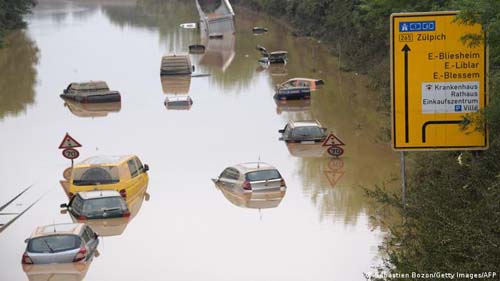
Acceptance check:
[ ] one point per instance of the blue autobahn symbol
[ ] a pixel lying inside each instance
(414, 26)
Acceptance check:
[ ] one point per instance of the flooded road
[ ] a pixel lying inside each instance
(188, 229)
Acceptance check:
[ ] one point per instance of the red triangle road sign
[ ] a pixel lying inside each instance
(332, 140)
(333, 177)
(69, 142)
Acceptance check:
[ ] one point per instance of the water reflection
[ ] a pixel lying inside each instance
(306, 150)
(17, 61)
(61, 10)
(276, 70)
(75, 271)
(219, 53)
(292, 105)
(165, 16)
(175, 84)
(265, 199)
(92, 109)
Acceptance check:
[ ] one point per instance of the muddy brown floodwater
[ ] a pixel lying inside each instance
(189, 229)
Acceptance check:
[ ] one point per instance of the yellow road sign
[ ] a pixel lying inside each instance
(436, 80)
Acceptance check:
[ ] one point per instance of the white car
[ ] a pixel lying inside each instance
(251, 177)
(61, 243)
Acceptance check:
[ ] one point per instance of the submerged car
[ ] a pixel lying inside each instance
(125, 174)
(306, 132)
(251, 177)
(178, 102)
(292, 93)
(196, 49)
(176, 64)
(114, 222)
(272, 57)
(98, 204)
(312, 84)
(61, 243)
(259, 30)
(90, 92)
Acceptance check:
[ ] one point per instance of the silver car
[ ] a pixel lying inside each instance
(251, 177)
(61, 243)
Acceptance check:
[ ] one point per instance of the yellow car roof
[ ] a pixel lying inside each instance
(104, 160)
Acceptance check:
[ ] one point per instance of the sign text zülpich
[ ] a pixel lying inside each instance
(436, 81)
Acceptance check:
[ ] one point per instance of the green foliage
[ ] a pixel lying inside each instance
(11, 15)
(20, 55)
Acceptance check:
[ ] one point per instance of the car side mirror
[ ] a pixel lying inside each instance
(324, 130)
(64, 205)
(26, 240)
(146, 168)
(96, 235)
(281, 131)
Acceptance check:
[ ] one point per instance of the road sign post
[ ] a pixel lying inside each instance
(68, 144)
(436, 81)
(334, 145)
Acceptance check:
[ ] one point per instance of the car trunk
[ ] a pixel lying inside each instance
(58, 257)
(270, 184)
(53, 249)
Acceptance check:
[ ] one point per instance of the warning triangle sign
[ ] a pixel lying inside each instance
(333, 177)
(332, 140)
(69, 142)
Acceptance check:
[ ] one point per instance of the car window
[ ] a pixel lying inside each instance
(76, 204)
(230, 173)
(132, 166)
(309, 131)
(262, 175)
(112, 206)
(85, 235)
(95, 175)
(287, 130)
(53, 243)
(89, 233)
(140, 167)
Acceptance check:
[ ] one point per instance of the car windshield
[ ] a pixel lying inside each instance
(309, 131)
(262, 175)
(104, 207)
(95, 175)
(54, 243)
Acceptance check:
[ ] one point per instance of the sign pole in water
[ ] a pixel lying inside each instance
(334, 145)
(67, 144)
(437, 82)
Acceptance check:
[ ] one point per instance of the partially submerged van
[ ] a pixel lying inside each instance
(125, 174)
(90, 92)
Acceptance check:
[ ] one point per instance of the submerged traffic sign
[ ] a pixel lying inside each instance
(70, 153)
(332, 140)
(69, 142)
(436, 80)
